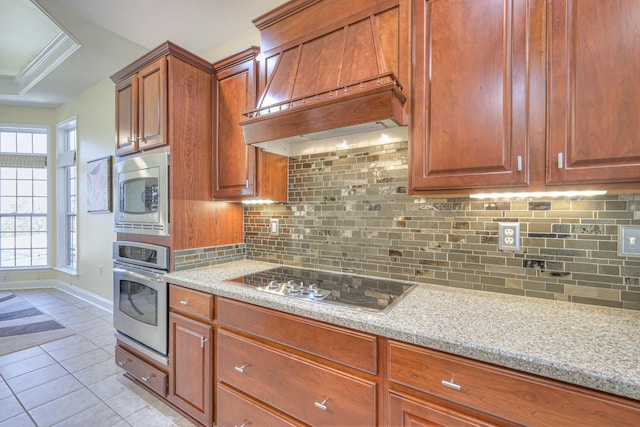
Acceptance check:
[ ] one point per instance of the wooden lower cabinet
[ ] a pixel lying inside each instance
(308, 391)
(138, 368)
(191, 351)
(277, 369)
(517, 398)
(288, 369)
(240, 410)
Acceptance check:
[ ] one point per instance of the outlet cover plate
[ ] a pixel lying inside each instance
(509, 235)
(274, 226)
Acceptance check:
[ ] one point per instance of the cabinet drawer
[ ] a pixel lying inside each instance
(196, 303)
(153, 378)
(305, 390)
(407, 411)
(350, 348)
(505, 393)
(237, 410)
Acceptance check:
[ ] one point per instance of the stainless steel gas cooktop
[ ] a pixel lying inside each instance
(361, 292)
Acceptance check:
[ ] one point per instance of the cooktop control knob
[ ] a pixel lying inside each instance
(273, 284)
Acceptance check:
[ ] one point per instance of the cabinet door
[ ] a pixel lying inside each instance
(408, 412)
(593, 91)
(152, 105)
(235, 167)
(470, 94)
(191, 364)
(127, 116)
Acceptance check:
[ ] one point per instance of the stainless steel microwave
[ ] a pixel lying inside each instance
(141, 195)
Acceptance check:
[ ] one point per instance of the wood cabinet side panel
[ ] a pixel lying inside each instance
(195, 220)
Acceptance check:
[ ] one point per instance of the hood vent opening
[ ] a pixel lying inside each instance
(326, 82)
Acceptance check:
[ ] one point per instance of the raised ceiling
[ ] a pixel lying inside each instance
(53, 50)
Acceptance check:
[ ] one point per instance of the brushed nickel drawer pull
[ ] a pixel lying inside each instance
(123, 362)
(241, 368)
(202, 341)
(451, 384)
(184, 302)
(147, 378)
(244, 424)
(322, 405)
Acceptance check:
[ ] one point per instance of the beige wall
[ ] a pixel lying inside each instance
(234, 45)
(94, 111)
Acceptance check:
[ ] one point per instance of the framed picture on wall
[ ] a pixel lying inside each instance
(99, 185)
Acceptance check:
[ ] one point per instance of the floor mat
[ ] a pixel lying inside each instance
(23, 326)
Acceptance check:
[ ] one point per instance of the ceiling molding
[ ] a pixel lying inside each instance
(59, 49)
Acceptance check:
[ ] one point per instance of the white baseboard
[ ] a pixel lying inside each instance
(77, 292)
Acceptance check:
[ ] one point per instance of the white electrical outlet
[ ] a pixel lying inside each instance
(509, 235)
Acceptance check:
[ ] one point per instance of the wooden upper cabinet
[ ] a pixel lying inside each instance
(242, 171)
(148, 87)
(470, 94)
(236, 93)
(593, 91)
(127, 116)
(141, 109)
(152, 105)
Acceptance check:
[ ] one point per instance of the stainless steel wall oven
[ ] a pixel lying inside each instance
(141, 297)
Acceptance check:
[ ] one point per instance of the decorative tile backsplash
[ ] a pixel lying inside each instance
(350, 211)
(187, 259)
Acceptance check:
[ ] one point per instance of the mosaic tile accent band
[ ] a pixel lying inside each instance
(350, 211)
(204, 257)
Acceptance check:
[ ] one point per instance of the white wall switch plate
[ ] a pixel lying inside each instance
(509, 235)
(274, 226)
(629, 240)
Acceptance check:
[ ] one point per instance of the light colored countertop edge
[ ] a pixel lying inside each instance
(590, 346)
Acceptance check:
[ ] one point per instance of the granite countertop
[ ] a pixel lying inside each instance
(585, 345)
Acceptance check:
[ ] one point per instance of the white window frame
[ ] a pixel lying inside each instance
(31, 161)
(67, 241)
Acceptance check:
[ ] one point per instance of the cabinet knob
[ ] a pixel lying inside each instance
(321, 405)
(451, 384)
(241, 368)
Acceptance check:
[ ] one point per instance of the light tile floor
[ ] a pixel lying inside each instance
(74, 381)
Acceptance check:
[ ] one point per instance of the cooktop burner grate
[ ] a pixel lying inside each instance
(361, 292)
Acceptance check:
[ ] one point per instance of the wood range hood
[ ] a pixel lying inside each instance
(329, 68)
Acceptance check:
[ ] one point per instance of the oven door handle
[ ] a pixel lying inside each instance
(154, 278)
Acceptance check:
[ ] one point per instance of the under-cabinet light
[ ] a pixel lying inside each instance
(258, 202)
(539, 194)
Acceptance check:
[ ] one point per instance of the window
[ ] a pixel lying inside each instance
(67, 195)
(23, 197)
